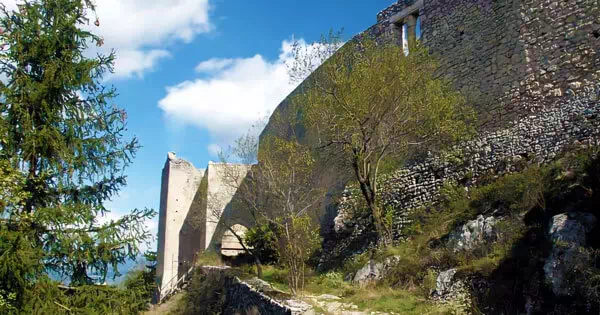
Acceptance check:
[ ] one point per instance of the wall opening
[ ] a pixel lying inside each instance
(230, 245)
(410, 27)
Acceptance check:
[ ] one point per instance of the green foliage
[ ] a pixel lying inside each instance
(385, 299)
(298, 238)
(512, 194)
(370, 105)
(7, 302)
(208, 258)
(205, 295)
(263, 241)
(63, 153)
(141, 284)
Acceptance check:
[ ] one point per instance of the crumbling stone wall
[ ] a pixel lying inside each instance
(252, 296)
(516, 62)
(508, 57)
(538, 138)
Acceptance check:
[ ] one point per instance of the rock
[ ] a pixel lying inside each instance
(567, 233)
(328, 297)
(259, 285)
(371, 272)
(448, 289)
(374, 271)
(298, 307)
(473, 233)
(444, 282)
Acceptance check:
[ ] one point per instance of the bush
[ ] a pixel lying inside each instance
(208, 258)
(263, 241)
(205, 295)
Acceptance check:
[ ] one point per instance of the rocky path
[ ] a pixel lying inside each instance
(331, 304)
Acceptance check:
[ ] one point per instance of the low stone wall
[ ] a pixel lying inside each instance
(244, 298)
(538, 138)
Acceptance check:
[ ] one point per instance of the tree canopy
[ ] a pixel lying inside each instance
(64, 148)
(369, 103)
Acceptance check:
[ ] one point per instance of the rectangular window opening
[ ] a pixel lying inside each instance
(418, 28)
(405, 39)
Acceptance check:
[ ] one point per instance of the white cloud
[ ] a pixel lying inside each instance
(141, 30)
(235, 94)
(212, 65)
(137, 62)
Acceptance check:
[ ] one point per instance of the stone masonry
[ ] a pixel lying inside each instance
(537, 138)
(195, 212)
(530, 68)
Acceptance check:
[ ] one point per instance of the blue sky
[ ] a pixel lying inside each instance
(193, 74)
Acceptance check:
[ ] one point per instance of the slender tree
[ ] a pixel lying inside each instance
(280, 191)
(64, 141)
(369, 103)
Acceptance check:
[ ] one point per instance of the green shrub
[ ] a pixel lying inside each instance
(263, 241)
(205, 295)
(209, 258)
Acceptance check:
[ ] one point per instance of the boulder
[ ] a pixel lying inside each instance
(567, 232)
(444, 282)
(374, 271)
(449, 289)
(473, 233)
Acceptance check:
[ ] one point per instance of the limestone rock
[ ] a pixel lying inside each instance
(371, 272)
(473, 233)
(374, 271)
(444, 282)
(567, 233)
(449, 289)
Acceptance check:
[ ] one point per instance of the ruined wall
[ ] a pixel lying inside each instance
(179, 186)
(195, 211)
(222, 213)
(538, 138)
(517, 62)
(508, 57)
(251, 296)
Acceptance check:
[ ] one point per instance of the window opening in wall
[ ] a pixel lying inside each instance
(405, 39)
(418, 28)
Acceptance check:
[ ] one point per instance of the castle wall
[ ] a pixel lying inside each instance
(222, 213)
(537, 138)
(508, 57)
(517, 62)
(195, 210)
(179, 185)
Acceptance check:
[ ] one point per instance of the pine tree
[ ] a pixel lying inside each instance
(63, 150)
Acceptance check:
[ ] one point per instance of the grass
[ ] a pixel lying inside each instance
(209, 258)
(373, 298)
(386, 299)
(408, 286)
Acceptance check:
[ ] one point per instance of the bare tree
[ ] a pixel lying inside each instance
(280, 190)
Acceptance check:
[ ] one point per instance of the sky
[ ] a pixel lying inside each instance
(195, 74)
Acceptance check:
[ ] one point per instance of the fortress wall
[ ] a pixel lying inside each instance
(538, 138)
(519, 63)
(179, 185)
(508, 57)
(221, 213)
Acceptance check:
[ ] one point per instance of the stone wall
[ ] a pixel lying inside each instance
(538, 138)
(242, 297)
(180, 183)
(515, 61)
(507, 56)
(195, 211)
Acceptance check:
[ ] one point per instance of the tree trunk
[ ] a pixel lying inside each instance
(383, 230)
(259, 272)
